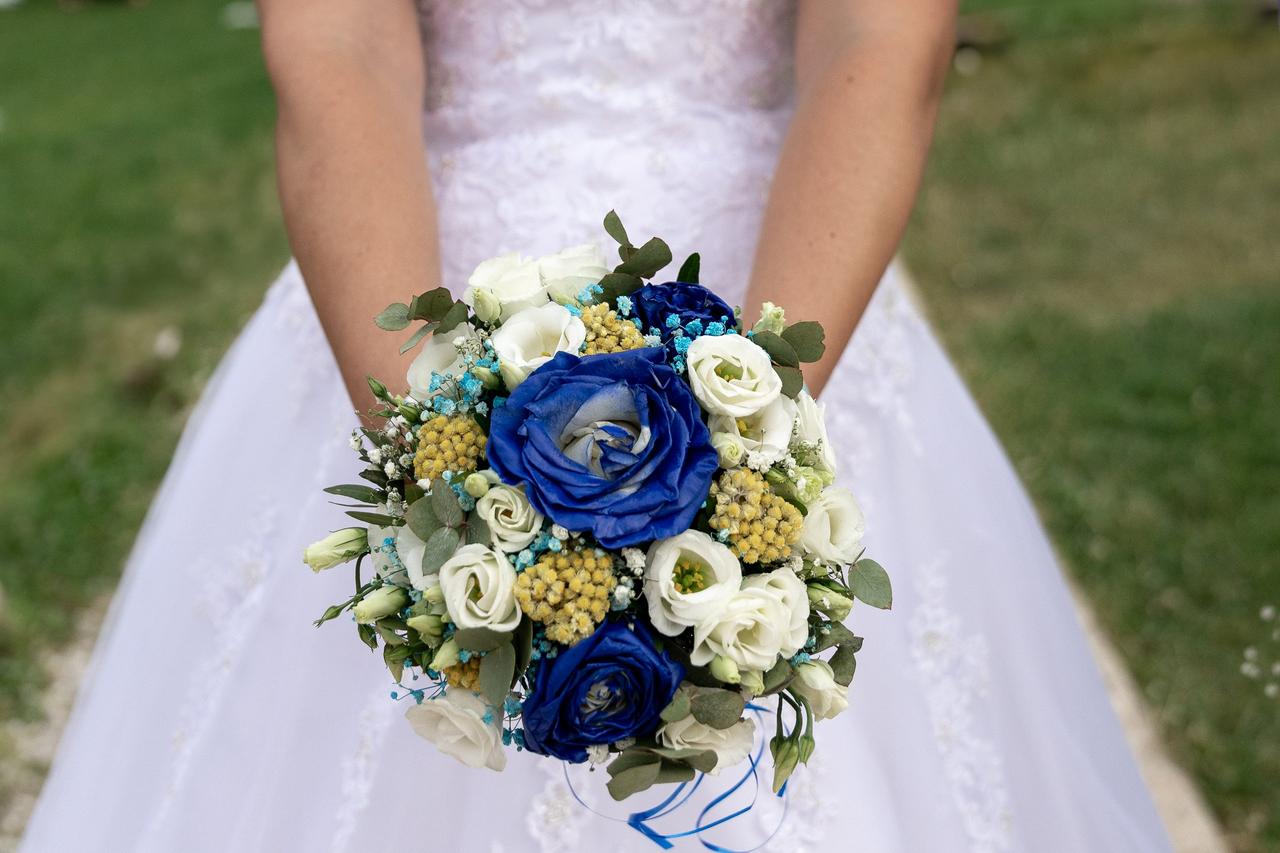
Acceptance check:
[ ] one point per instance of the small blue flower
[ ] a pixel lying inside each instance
(624, 305)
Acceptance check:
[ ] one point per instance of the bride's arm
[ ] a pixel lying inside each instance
(354, 182)
(868, 77)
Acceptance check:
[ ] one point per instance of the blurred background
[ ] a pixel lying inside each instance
(1096, 243)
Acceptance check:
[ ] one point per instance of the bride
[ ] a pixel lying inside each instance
(215, 718)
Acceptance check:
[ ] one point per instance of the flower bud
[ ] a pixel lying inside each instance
(835, 604)
(785, 756)
(433, 595)
(753, 681)
(805, 747)
(336, 548)
(487, 307)
(410, 412)
(446, 655)
(379, 390)
(429, 626)
(381, 602)
(772, 319)
(724, 669)
(729, 449)
(476, 484)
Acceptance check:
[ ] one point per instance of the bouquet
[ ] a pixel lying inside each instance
(602, 521)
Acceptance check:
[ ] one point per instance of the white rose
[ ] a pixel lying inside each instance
(511, 280)
(336, 548)
(564, 274)
(811, 427)
(688, 578)
(731, 745)
(731, 376)
(479, 587)
(794, 597)
(767, 432)
(750, 630)
(512, 520)
(833, 527)
(455, 723)
(439, 354)
(532, 337)
(817, 683)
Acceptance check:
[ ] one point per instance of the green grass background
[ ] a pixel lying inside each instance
(1095, 241)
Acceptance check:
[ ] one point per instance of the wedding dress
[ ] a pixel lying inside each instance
(216, 718)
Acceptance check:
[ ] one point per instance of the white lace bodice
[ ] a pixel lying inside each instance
(542, 115)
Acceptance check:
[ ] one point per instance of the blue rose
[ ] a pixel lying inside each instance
(610, 686)
(654, 303)
(614, 444)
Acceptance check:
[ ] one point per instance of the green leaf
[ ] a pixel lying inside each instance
(719, 709)
(375, 518)
(422, 519)
(522, 642)
(613, 227)
(395, 662)
(690, 268)
(634, 757)
(671, 771)
(834, 635)
(779, 350)
(677, 708)
(778, 677)
(647, 260)
(870, 584)
(440, 547)
(792, 379)
(634, 779)
(843, 664)
(699, 759)
(444, 502)
(424, 330)
(480, 639)
(390, 637)
(807, 338)
(455, 316)
(497, 671)
(376, 477)
(364, 494)
(394, 317)
(431, 305)
(368, 635)
(478, 530)
(617, 284)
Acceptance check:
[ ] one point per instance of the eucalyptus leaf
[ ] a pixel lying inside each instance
(445, 504)
(647, 260)
(395, 663)
(719, 709)
(699, 759)
(364, 494)
(368, 635)
(807, 338)
(394, 317)
(617, 284)
(440, 547)
(478, 530)
(455, 316)
(431, 305)
(613, 227)
(636, 756)
(835, 634)
(792, 379)
(677, 708)
(390, 637)
(672, 771)
(634, 780)
(497, 671)
(690, 269)
(424, 330)
(480, 639)
(778, 677)
(843, 664)
(870, 584)
(779, 350)
(422, 519)
(375, 518)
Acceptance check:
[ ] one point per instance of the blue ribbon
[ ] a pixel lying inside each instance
(639, 821)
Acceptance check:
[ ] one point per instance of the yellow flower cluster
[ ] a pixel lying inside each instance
(607, 332)
(464, 675)
(761, 526)
(448, 444)
(568, 592)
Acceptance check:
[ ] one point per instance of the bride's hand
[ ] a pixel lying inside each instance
(868, 78)
(354, 185)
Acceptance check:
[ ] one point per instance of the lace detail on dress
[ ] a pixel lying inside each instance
(359, 767)
(804, 829)
(953, 666)
(312, 357)
(555, 818)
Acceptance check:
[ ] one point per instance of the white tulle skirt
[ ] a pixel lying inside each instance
(216, 718)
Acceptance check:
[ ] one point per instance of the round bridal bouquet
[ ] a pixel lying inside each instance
(602, 524)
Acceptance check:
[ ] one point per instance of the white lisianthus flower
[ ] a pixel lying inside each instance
(817, 683)
(811, 427)
(511, 281)
(532, 337)
(512, 520)
(687, 580)
(479, 587)
(833, 527)
(766, 433)
(411, 550)
(565, 273)
(456, 724)
(385, 556)
(731, 745)
(794, 598)
(731, 376)
(383, 601)
(438, 354)
(772, 319)
(730, 451)
(750, 630)
(336, 548)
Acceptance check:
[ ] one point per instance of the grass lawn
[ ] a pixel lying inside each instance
(1092, 239)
